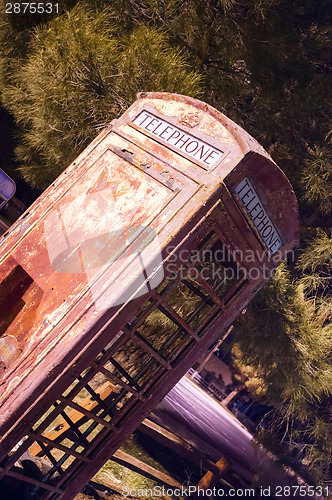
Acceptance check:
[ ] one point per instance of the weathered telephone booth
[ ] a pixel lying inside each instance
(122, 273)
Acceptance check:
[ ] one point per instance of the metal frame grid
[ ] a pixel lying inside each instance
(133, 362)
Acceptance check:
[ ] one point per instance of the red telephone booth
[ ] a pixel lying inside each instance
(122, 274)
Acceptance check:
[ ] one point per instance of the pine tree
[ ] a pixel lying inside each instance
(283, 348)
(16, 32)
(77, 77)
(316, 179)
(315, 264)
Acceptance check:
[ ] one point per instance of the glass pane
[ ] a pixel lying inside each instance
(133, 365)
(217, 267)
(162, 332)
(189, 300)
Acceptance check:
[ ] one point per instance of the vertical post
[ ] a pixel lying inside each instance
(210, 479)
(216, 347)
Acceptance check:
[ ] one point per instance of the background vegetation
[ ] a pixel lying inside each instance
(265, 64)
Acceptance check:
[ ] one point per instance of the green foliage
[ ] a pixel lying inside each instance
(16, 32)
(63, 92)
(78, 76)
(318, 254)
(148, 63)
(282, 348)
(317, 179)
(319, 447)
(315, 263)
(287, 336)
